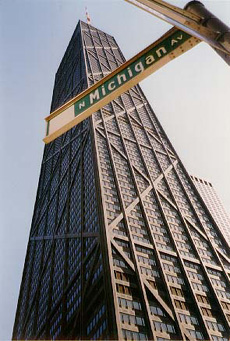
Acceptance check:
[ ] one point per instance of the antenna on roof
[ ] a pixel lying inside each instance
(87, 16)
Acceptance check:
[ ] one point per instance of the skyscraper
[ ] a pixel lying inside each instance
(121, 245)
(214, 205)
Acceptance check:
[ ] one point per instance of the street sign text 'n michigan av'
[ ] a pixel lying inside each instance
(169, 46)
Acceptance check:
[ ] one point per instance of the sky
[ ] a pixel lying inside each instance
(190, 97)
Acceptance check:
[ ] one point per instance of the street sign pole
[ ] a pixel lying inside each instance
(212, 22)
(195, 19)
(171, 45)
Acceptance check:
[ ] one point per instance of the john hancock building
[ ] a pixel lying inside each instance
(121, 246)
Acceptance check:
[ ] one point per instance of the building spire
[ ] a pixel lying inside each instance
(87, 16)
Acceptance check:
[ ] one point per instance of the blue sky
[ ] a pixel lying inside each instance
(190, 97)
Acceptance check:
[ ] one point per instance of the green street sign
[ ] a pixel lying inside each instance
(142, 63)
(172, 44)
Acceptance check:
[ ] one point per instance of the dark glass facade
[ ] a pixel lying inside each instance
(121, 244)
